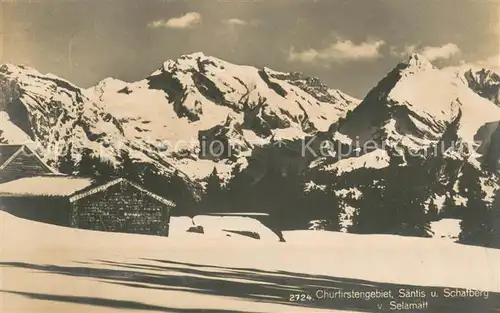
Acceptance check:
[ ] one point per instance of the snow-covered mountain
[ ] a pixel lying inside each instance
(171, 117)
(190, 102)
(418, 107)
(198, 113)
(52, 114)
(482, 81)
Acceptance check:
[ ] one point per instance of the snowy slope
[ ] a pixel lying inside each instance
(43, 270)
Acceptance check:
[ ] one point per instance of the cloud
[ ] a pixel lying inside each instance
(444, 52)
(404, 52)
(491, 63)
(432, 53)
(340, 51)
(187, 20)
(236, 22)
(409, 50)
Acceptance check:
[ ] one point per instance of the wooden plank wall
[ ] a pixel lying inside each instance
(122, 208)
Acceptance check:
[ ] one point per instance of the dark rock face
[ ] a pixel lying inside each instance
(223, 141)
(262, 120)
(490, 149)
(272, 85)
(10, 102)
(485, 83)
(174, 91)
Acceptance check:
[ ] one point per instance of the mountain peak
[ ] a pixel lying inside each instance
(194, 55)
(14, 68)
(187, 61)
(417, 63)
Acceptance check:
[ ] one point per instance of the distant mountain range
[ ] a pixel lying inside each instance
(253, 118)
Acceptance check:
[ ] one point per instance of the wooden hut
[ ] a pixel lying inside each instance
(18, 161)
(115, 206)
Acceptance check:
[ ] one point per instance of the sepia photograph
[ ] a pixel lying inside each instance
(250, 156)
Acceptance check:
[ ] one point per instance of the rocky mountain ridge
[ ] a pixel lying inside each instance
(168, 118)
(420, 109)
(199, 114)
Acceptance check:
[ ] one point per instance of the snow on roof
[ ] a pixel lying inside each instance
(44, 186)
(64, 186)
(79, 194)
(238, 214)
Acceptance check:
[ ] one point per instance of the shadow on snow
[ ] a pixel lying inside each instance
(274, 287)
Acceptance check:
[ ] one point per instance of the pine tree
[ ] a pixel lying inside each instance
(395, 202)
(86, 165)
(495, 221)
(432, 210)
(66, 162)
(127, 168)
(104, 170)
(332, 209)
(154, 181)
(476, 225)
(369, 217)
(449, 209)
(213, 199)
(321, 203)
(239, 190)
(277, 193)
(414, 189)
(174, 188)
(269, 192)
(396, 199)
(177, 188)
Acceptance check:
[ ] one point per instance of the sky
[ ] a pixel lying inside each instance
(349, 44)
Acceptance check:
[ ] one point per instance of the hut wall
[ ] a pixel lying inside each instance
(121, 208)
(52, 210)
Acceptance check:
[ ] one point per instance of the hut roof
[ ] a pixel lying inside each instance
(44, 186)
(242, 214)
(95, 189)
(65, 186)
(8, 153)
